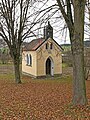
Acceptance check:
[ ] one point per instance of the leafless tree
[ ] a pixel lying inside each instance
(73, 13)
(13, 18)
(17, 18)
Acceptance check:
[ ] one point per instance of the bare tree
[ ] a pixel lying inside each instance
(12, 27)
(16, 22)
(75, 24)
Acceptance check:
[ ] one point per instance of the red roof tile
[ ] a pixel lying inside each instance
(33, 45)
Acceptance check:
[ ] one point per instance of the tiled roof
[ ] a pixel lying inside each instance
(33, 45)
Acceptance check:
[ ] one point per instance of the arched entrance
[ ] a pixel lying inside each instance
(49, 66)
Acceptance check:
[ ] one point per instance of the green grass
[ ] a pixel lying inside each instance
(64, 65)
(7, 77)
(61, 79)
(7, 64)
(66, 47)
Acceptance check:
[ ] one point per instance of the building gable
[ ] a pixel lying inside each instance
(51, 42)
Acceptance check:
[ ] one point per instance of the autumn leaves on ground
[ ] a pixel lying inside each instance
(44, 99)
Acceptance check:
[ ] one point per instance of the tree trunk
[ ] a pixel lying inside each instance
(15, 55)
(76, 30)
(17, 69)
(79, 88)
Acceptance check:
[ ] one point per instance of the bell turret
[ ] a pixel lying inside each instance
(48, 31)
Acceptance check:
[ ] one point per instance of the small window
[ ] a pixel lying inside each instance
(51, 46)
(29, 59)
(47, 45)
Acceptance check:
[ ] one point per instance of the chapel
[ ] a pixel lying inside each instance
(42, 57)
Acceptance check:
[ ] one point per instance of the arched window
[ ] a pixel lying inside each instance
(47, 45)
(51, 46)
(29, 59)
